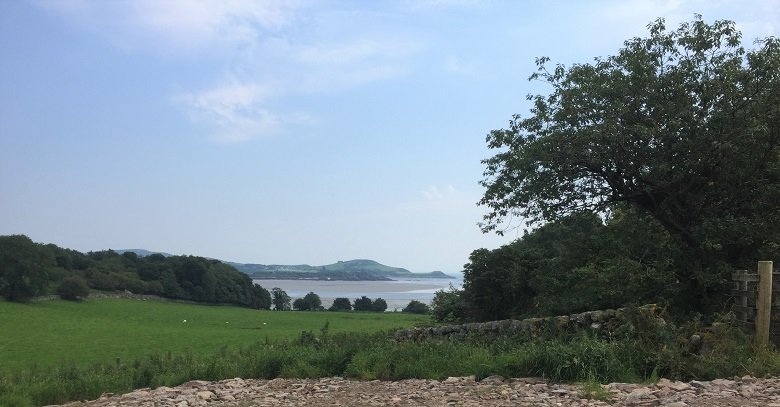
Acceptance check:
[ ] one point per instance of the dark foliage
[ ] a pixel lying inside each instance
(310, 302)
(73, 288)
(682, 126)
(29, 269)
(363, 304)
(448, 305)
(341, 304)
(416, 307)
(576, 264)
(24, 267)
(280, 299)
(379, 305)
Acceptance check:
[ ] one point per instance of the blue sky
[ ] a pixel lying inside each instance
(283, 131)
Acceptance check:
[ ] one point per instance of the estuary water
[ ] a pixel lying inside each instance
(397, 293)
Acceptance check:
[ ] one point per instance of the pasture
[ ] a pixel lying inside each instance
(58, 333)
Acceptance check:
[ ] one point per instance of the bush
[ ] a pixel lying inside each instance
(341, 304)
(310, 302)
(448, 306)
(363, 304)
(73, 288)
(379, 305)
(417, 307)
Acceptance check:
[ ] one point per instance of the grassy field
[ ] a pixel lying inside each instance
(57, 333)
(74, 345)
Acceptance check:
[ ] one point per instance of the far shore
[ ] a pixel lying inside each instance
(364, 286)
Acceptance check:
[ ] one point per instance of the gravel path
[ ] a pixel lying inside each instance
(454, 391)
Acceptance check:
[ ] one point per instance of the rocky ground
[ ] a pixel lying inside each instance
(454, 391)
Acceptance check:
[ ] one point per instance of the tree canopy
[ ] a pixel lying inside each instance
(310, 302)
(23, 267)
(363, 304)
(280, 299)
(341, 304)
(416, 307)
(683, 125)
(29, 269)
(73, 288)
(379, 305)
(575, 264)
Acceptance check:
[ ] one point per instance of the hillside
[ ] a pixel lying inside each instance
(142, 252)
(361, 269)
(350, 270)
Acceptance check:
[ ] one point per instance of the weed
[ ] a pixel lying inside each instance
(591, 389)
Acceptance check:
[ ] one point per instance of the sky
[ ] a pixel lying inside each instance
(284, 132)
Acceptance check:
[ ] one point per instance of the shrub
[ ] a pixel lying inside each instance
(363, 304)
(417, 307)
(379, 305)
(73, 288)
(341, 304)
(449, 306)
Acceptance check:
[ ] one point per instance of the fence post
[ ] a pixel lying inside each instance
(764, 302)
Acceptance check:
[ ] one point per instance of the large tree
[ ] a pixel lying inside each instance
(310, 302)
(23, 268)
(280, 299)
(341, 304)
(683, 125)
(363, 304)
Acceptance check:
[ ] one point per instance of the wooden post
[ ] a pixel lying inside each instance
(764, 302)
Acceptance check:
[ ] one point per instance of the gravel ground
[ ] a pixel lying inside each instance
(454, 391)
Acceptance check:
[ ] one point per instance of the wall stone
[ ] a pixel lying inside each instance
(595, 320)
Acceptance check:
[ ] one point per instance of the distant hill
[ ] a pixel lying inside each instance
(142, 252)
(351, 270)
(361, 269)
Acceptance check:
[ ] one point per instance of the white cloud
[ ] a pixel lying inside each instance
(348, 63)
(269, 50)
(233, 110)
(177, 23)
(340, 54)
(458, 65)
(434, 193)
(437, 4)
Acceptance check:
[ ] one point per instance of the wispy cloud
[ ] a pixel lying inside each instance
(434, 193)
(435, 4)
(177, 23)
(268, 49)
(352, 62)
(234, 111)
(461, 66)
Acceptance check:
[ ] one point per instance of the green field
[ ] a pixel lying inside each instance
(56, 333)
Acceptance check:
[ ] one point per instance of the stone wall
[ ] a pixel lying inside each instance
(595, 320)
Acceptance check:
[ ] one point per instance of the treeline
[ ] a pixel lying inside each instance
(577, 264)
(312, 302)
(29, 269)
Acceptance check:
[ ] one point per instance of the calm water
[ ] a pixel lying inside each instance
(397, 293)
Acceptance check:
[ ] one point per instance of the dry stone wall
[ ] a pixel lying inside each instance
(595, 320)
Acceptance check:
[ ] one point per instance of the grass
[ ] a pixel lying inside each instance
(63, 333)
(592, 389)
(303, 345)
